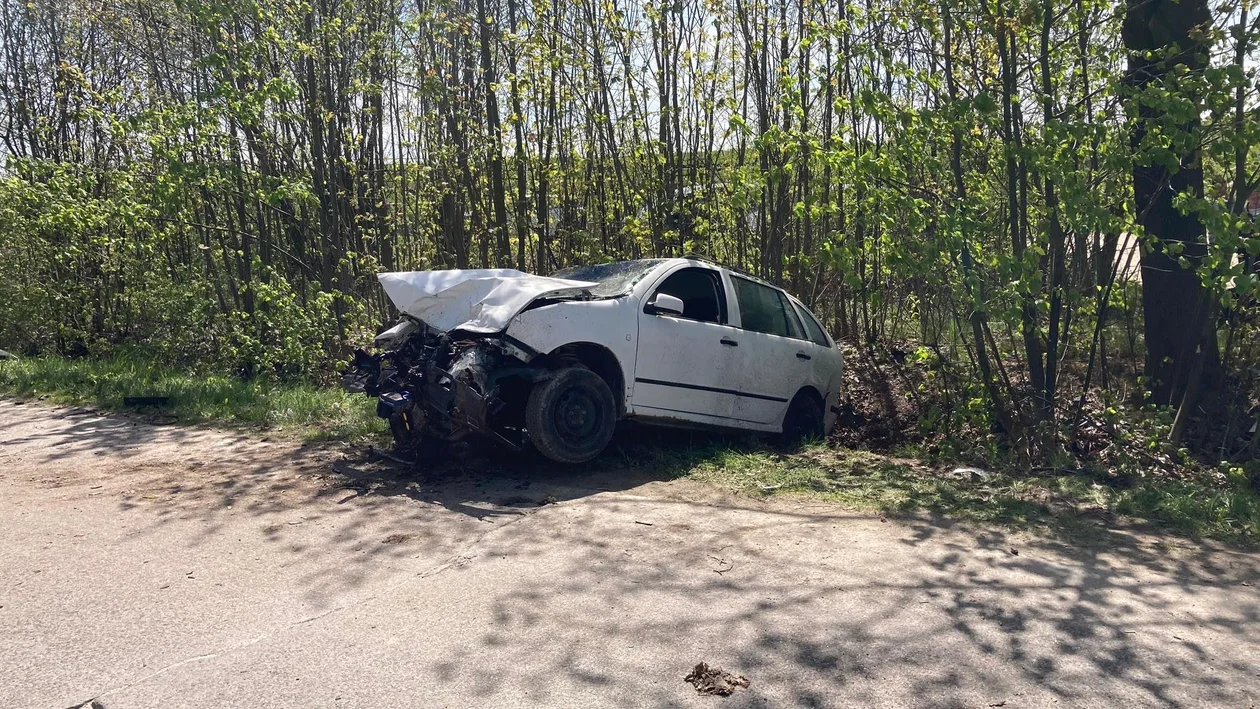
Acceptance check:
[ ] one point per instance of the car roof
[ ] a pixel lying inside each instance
(692, 258)
(714, 263)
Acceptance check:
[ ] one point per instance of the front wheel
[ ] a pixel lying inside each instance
(571, 416)
(402, 426)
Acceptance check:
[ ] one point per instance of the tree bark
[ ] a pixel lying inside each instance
(1171, 294)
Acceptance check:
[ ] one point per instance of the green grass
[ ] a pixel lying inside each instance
(854, 479)
(1075, 505)
(301, 409)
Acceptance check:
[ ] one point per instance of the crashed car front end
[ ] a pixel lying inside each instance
(442, 386)
(447, 370)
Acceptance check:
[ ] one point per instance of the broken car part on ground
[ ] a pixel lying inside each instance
(554, 362)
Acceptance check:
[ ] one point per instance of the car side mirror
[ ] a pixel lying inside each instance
(665, 304)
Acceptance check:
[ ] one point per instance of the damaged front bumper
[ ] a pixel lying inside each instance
(437, 386)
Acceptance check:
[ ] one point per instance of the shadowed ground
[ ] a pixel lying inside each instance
(150, 566)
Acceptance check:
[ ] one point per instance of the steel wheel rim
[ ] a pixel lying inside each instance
(577, 415)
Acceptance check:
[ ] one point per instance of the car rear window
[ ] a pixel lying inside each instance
(816, 333)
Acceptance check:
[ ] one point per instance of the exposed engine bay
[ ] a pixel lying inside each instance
(433, 385)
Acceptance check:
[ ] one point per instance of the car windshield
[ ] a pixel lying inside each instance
(614, 279)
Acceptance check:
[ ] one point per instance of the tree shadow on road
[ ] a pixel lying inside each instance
(826, 610)
(342, 512)
(624, 592)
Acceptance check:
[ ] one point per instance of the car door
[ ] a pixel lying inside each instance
(826, 360)
(685, 362)
(776, 358)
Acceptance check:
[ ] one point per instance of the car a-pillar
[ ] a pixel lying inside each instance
(571, 415)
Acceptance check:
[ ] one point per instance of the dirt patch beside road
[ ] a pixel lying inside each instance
(150, 565)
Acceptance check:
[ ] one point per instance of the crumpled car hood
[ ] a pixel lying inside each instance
(475, 300)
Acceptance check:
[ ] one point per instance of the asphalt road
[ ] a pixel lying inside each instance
(159, 566)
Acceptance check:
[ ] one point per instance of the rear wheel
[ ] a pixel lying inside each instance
(571, 416)
(804, 420)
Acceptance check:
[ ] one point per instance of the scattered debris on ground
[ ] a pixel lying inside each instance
(972, 475)
(715, 681)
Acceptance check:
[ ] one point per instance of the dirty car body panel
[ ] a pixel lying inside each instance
(509, 355)
(607, 323)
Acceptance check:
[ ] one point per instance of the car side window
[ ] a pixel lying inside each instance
(795, 329)
(762, 309)
(816, 334)
(701, 292)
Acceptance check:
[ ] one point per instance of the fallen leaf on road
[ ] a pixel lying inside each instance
(715, 680)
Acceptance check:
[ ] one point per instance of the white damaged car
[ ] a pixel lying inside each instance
(555, 362)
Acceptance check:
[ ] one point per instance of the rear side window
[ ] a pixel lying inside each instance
(816, 334)
(763, 309)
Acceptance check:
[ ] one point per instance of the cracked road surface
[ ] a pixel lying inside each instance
(159, 566)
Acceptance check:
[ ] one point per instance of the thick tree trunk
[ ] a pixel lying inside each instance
(503, 247)
(1171, 295)
(518, 117)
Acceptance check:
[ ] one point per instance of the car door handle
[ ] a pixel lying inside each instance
(729, 341)
(802, 355)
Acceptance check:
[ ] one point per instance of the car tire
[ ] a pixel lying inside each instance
(570, 417)
(406, 437)
(804, 420)
(399, 429)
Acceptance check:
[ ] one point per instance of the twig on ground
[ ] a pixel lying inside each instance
(729, 565)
